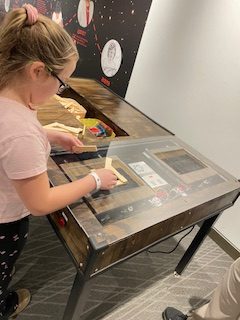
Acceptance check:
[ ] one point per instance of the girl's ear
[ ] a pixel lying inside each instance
(37, 71)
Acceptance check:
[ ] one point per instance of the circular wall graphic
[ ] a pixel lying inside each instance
(111, 58)
(7, 5)
(85, 12)
(57, 14)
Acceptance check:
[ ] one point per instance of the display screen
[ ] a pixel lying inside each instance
(180, 161)
(183, 164)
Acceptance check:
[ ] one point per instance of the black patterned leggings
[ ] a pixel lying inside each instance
(13, 236)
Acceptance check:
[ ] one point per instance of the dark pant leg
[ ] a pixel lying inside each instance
(13, 237)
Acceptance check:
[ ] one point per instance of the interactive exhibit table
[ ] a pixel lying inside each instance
(168, 187)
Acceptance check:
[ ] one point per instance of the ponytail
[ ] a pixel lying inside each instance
(26, 36)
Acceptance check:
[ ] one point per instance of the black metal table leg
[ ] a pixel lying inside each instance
(77, 299)
(198, 239)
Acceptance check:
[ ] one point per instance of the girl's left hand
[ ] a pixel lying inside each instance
(65, 140)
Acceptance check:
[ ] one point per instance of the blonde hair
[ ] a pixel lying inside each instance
(21, 44)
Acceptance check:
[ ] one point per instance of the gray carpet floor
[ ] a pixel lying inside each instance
(137, 289)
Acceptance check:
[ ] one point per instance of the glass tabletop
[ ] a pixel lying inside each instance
(157, 178)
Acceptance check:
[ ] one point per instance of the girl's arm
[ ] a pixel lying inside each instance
(40, 199)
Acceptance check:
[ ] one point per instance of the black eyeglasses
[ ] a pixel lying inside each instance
(63, 85)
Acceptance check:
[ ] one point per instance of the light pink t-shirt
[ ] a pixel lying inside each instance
(24, 150)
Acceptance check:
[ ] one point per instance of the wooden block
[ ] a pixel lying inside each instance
(83, 130)
(50, 125)
(84, 148)
(58, 126)
(119, 183)
(59, 129)
(119, 176)
(72, 106)
(108, 165)
(71, 129)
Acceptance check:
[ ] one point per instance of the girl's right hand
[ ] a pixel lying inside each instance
(107, 177)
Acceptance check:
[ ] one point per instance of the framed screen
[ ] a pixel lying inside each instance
(181, 161)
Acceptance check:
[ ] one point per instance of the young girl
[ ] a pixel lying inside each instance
(36, 57)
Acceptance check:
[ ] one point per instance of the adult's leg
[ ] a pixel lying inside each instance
(13, 237)
(225, 302)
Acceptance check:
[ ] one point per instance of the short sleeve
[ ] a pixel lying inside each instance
(25, 157)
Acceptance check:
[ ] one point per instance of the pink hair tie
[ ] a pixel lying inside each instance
(32, 14)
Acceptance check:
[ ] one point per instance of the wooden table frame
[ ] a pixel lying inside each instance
(103, 104)
(82, 284)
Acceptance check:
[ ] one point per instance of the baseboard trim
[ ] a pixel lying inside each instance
(224, 244)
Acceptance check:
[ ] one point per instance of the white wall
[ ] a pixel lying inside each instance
(187, 78)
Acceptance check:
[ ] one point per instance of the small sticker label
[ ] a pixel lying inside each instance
(147, 174)
(154, 180)
(140, 168)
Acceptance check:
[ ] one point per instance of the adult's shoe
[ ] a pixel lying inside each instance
(173, 314)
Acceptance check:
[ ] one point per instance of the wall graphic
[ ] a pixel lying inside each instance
(107, 34)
